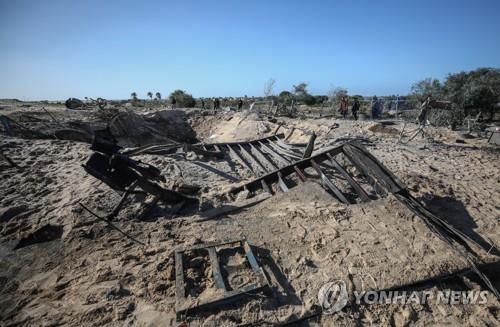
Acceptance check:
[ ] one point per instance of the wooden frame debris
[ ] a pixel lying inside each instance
(185, 304)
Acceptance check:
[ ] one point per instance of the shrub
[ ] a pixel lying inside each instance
(183, 99)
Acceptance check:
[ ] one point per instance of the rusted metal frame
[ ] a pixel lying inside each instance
(214, 261)
(361, 192)
(329, 183)
(287, 170)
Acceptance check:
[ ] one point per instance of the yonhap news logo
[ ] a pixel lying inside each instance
(333, 297)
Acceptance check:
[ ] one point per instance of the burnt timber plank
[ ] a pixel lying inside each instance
(258, 153)
(329, 183)
(241, 159)
(370, 166)
(361, 192)
(180, 290)
(245, 142)
(214, 261)
(272, 177)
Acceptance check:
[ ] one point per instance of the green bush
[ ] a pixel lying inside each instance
(469, 92)
(183, 99)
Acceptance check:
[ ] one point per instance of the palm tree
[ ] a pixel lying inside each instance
(150, 95)
(158, 96)
(133, 95)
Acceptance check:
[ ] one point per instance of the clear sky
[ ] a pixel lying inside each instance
(51, 49)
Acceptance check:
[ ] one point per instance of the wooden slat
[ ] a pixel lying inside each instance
(214, 261)
(272, 177)
(361, 192)
(281, 135)
(180, 291)
(329, 183)
(300, 174)
(241, 159)
(281, 183)
(370, 166)
(276, 155)
(253, 159)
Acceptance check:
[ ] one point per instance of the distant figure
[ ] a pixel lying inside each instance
(240, 104)
(202, 103)
(173, 103)
(343, 107)
(355, 108)
(375, 106)
(424, 109)
(216, 103)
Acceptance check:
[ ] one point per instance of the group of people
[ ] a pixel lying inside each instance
(344, 107)
(216, 104)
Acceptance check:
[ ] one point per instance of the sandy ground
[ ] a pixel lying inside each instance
(85, 273)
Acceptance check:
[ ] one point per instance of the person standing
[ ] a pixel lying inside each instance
(343, 107)
(375, 105)
(240, 104)
(202, 103)
(355, 108)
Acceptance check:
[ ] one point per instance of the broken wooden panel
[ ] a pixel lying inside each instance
(329, 183)
(185, 305)
(371, 167)
(361, 192)
(273, 177)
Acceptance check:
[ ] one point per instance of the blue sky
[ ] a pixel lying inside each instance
(55, 49)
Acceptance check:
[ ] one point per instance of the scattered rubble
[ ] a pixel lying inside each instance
(235, 218)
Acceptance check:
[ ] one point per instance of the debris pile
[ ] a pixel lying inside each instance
(185, 230)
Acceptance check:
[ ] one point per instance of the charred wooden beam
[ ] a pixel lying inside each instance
(256, 141)
(287, 170)
(203, 152)
(240, 159)
(214, 261)
(310, 146)
(359, 190)
(329, 183)
(370, 166)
